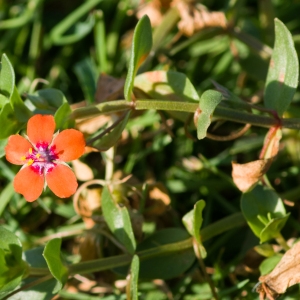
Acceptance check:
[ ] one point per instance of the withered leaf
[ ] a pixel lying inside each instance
(245, 176)
(82, 171)
(196, 17)
(158, 200)
(284, 275)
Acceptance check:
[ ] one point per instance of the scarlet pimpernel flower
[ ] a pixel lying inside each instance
(43, 155)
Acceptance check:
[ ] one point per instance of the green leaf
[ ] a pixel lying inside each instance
(8, 123)
(8, 89)
(52, 256)
(269, 264)
(7, 77)
(46, 98)
(193, 222)
(3, 143)
(61, 117)
(132, 286)
(264, 212)
(272, 228)
(117, 217)
(208, 102)
(12, 267)
(141, 46)
(22, 112)
(283, 73)
(110, 139)
(36, 291)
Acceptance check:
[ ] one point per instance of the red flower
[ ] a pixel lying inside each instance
(43, 156)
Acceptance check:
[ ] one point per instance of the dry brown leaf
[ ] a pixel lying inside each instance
(247, 175)
(82, 171)
(109, 88)
(158, 200)
(154, 9)
(196, 17)
(285, 274)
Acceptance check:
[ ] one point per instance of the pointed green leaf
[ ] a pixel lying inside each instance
(208, 102)
(132, 286)
(46, 98)
(269, 264)
(7, 77)
(8, 123)
(8, 89)
(283, 73)
(21, 111)
(110, 139)
(141, 46)
(118, 220)
(52, 256)
(61, 117)
(264, 211)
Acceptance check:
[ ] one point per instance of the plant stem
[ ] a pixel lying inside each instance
(222, 112)
(230, 222)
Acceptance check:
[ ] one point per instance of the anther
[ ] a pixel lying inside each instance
(30, 162)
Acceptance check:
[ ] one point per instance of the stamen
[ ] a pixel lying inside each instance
(30, 162)
(38, 155)
(30, 151)
(23, 157)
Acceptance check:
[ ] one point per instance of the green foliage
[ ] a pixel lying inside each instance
(193, 222)
(110, 139)
(132, 293)
(118, 220)
(155, 168)
(208, 102)
(282, 79)
(141, 46)
(52, 256)
(264, 212)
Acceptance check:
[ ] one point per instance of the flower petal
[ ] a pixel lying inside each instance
(29, 183)
(41, 129)
(16, 148)
(62, 181)
(69, 144)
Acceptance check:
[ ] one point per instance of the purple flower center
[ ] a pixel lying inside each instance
(41, 158)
